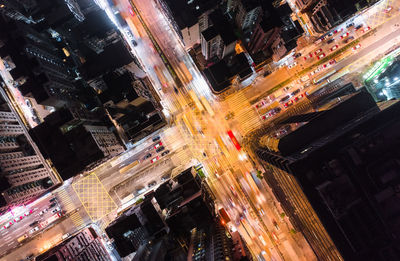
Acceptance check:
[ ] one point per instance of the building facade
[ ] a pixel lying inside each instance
(84, 246)
(337, 177)
(24, 173)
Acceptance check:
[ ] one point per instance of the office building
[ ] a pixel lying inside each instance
(248, 12)
(40, 69)
(84, 246)
(188, 18)
(75, 140)
(336, 174)
(24, 173)
(132, 104)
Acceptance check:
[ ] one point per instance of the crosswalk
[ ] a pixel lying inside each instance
(244, 112)
(77, 220)
(377, 16)
(66, 201)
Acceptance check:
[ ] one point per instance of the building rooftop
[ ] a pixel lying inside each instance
(295, 135)
(210, 33)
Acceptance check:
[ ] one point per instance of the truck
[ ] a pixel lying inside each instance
(22, 238)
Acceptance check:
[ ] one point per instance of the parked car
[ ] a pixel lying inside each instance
(284, 99)
(322, 55)
(157, 138)
(147, 156)
(158, 145)
(53, 199)
(333, 48)
(52, 205)
(295, 92)
(155, 159)
(330, 41)
(165, 153)
(160, 149)
(33, 230)
(33, 224)
(152, 184)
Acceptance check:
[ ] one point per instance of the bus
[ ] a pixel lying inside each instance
(323, 77)
(207, 106)
(196, 101)
(234, 140)
(185, 74)
(224, 216)
(128, 167)
(188, 125)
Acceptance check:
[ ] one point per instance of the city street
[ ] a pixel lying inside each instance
(211, 134)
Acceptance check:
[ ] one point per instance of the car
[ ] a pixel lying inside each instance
(165, 153)
(292, 65)
(8, 224)
(43, 212)
(284, 99)
(308, 56)
(388, 9)
(348, 39)
(349, 25)
(158, 145)
(325, 65)
(33, 230)
(28, 103)
(333, 32)
(275, 224)
(298, 98)
(155, 159)
(297, 55)
(18, 219)
(318, 51)
(266, 73)
(358, 46)
(147, 156)
(165, 177)
(344, 35)
(65, 236)
(52, 205)
(358, 27)
(33, 224)
(333, 48)
(265, 116)
(288, 104)
(27, 213)
(295, 92)
(260, 104)
(287, 88)
(330, 41)
(55, 210)
(333, 61)
(160, 149)
(53, 199)
(322, 55)
(152, 184)
(365, 29)
(157, 138)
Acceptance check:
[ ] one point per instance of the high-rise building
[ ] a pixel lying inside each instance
(84, 246)
(41, 69)
(24, 172)
(248, 12)
(336, 174)
(74, 140)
